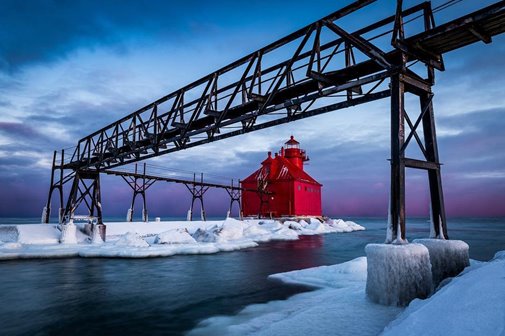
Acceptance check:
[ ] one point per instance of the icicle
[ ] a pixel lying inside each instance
(202, 214)
(188, 216)
(441, 235)
(389, 228)
(129, 215)
(399, 240)
(44, 214)
(145, 216)
(432, 225)
(228, 214)
(60, 215)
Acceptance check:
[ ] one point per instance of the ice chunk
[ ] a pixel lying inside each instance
(294, 225)
(254, 231)
(232, 229)
(176, 236)
(448, 257)
(397, 274)
(206, 236)
(8, 233)
(131, 239)
(285, 234)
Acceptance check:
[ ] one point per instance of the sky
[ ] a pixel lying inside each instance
(68, 68)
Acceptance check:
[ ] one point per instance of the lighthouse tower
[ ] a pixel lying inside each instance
(289, 190)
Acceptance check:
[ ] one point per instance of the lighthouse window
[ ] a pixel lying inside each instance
(299, 188)
(305, 188)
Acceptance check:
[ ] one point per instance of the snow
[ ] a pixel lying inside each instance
(176, 236)
(131, 239)
(68, 233)
(470, 304)
(153, 239)
(397, 274)
(447, 257)
(338, 307)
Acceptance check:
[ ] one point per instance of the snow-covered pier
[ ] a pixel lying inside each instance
(155, 239)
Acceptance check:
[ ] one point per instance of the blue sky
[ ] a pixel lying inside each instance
(68, 68)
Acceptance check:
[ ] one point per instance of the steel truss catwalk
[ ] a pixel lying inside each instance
(325, 63)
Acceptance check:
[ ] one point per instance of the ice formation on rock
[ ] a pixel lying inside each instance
(448, 257)
(397, 274)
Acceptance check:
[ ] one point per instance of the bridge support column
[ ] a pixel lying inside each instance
(401, 83)
(235, 195)
(58, 185)
(197, 191)
(139, 184)
(86, 190)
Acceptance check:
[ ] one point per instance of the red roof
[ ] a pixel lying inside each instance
(292, 141)
(280, 168)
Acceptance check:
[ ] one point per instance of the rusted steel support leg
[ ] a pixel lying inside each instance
(47, 212)
(145, 216)
(202, 213)
(72, 197)
(397, 208)
(434, 175)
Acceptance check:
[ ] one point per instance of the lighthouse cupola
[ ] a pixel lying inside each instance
(293, 153)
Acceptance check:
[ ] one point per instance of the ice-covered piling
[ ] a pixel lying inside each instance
(68, 233)
(448, 257)
(397, 274)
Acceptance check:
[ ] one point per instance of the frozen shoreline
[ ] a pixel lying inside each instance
(472, 303)
(157, 239)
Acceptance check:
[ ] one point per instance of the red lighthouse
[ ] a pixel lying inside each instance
(290, 191)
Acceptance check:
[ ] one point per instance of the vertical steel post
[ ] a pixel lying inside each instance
(434, 175)
(397, 208)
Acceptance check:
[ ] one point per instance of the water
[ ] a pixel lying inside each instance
(170, 296)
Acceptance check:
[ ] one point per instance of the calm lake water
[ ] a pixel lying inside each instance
(169, 296)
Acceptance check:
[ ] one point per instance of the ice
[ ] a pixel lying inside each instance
(68, 233)
(231, 229)
(448, 257)
(131, 239)
(471, 304)
(339, 307)
(140, 239)
(176, 236)
(9, 233)
(397, 274)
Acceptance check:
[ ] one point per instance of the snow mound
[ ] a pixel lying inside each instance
(232, 229)
(397, 274)
(344, 226)
(176, 236)
(448, 257)
(256, 232)
(334, 276)
(131, 239)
